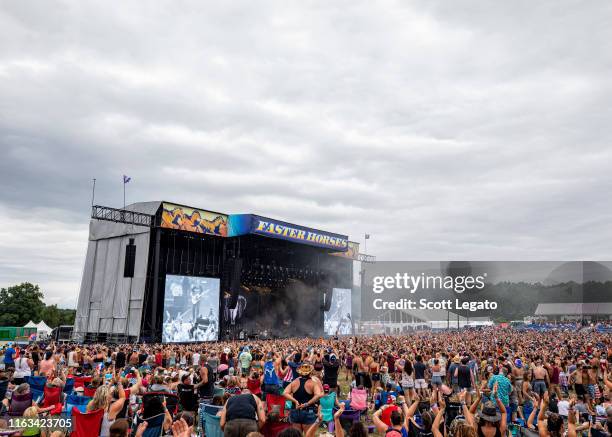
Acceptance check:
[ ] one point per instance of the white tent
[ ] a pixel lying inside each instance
(31, 324)
(43, 328)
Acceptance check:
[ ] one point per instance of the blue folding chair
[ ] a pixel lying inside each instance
(37, 386)
(69, 386)
(79, 402)
(212, 425)
(155, 425)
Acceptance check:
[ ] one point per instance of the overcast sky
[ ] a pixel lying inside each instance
(446, 130)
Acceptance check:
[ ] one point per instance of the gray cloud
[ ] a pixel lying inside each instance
(477, 130)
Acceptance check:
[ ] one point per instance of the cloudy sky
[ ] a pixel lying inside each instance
(446, 130)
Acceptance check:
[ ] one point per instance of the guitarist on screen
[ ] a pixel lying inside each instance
(196, 295)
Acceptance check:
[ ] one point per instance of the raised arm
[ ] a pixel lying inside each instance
(337, 425)
(571, 420)
(378, 423)
(542, 430)
(435, 427)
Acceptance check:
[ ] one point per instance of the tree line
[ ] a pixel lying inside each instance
(24, 302)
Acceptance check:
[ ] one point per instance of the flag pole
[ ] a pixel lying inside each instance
(93, 192)
(123, 192)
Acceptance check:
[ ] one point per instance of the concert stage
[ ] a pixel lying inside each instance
(158, 271)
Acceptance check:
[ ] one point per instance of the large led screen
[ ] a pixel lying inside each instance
(191, 309)
(338, 318)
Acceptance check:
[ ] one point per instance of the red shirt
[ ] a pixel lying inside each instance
(254, 385)
(386, 414)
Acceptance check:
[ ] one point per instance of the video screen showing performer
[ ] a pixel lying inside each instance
(191, 309)
(338, 318)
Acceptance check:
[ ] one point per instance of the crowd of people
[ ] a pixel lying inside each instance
(488, 382)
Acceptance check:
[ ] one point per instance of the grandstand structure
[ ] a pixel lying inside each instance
(588, 311)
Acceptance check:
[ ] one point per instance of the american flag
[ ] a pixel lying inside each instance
(126, 179)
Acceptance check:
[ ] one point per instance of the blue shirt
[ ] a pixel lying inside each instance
(270, 376)
(504, 387)
(327, 406)
(8, 356)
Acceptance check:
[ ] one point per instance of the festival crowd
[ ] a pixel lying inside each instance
(487, 382)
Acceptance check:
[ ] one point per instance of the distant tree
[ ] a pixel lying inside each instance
(67, 316)
(20, 303)
(51, 315)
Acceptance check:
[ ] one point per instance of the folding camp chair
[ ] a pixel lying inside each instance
(172, 400)
(359, 399)
(76, 401)
(81, 381)
(37, 386)
(212, 425)
(347, 418)
(86, 424)
(3, 388)
(69, 386)
(19, 403)
(155, 425)
(276, 402)
(52, 398)
(90, 392)
(273, 429)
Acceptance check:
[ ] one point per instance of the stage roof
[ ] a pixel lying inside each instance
(570, 309)
(186, 218)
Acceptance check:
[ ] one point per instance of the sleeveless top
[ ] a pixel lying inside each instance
(207, 390)
(393, 430)
(464, 376)
(270, 376)
(46, 366)
(241, 407)
(22, 368)
(106, 424)
(301, 395)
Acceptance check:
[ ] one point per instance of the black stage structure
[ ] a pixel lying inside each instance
(275, 278)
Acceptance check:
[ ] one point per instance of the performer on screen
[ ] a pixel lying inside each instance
(344, 327)
(196, 295)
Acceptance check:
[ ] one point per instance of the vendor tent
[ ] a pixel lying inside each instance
(43, 328)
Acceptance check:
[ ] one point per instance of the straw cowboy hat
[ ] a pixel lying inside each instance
(305, 369)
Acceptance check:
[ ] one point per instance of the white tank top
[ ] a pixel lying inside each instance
(22, 368)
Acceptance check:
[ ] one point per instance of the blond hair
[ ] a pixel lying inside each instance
(31, 412)
(100, 399)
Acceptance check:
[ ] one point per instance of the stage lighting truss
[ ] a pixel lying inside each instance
(271, 276)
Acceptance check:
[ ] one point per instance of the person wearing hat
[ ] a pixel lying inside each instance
(304, 392)
(452, 371)
(327, 404)
(490, 422)
(519, 374)
(392, 421)
(331, 365)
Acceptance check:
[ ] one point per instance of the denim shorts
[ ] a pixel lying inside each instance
(302, 417)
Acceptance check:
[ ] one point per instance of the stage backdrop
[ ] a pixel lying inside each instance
(338, 318)
(191, 309)
(193, 220)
